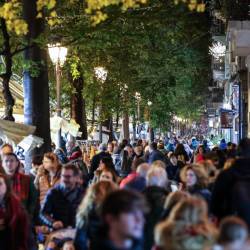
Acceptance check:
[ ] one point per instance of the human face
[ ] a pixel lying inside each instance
(191, 178)
(128, 225)
(68, 180)
(10, 164)
(3, 187)
(138, 150)
(130, 151)
(48, 164)
(200, 150)
(106, 176)
(110, 148)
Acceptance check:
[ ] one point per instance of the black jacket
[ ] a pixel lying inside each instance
(59, 207)
(222, 202)
(87, 233)
(155, 197)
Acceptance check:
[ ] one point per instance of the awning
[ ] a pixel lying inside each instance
(14, 132)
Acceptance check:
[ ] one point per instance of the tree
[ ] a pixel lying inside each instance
(36, 89)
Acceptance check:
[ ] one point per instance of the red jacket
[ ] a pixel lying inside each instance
(16, 222)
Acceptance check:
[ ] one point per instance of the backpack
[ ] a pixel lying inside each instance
(240, 201)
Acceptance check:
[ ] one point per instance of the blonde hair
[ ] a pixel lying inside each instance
(210, 170)
(187, 227)
(157, 164)
(174, 198)
(94, 197)
(157, 176)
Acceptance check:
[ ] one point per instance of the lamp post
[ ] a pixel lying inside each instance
(101, 74)
(151, 130)
(58, 55)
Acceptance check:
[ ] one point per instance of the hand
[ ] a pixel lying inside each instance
(57, 225)
(40, 171)
(180, 187)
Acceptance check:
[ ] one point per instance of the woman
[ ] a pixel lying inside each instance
(199, 154)
(195, 180)
(13, 219)
(87, 218)
(181, 153)
(107, 164)
(187, 227)
(108, 174)
(48, 175)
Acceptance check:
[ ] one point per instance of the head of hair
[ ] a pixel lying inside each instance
(153, 145)
(244, 148)
(71, 167)
(232, 229)
(180, 149)
(37, 159)
(110, 170)
(142, 169)
(123, 144)
(6, 145)
(174, 198)
(123, 201)
(198, 148)
(190, 211)
(158, 164)
(210, 169)
(51, 156)
(137, 162)
(108, 162)
(157, 176)
(93, 199)
(200, 173)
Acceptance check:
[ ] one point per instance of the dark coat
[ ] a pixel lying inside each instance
(87, 233)
(221, 202)
(57, 206)
(155, 197)
(156, 155)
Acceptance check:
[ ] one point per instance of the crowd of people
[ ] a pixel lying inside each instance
(175, 194)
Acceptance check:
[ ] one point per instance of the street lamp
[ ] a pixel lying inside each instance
(58, 55)
(101, 74)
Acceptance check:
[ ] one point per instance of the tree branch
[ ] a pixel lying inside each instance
(21, 49)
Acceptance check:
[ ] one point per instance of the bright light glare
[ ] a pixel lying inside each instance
(101, 73)
(57, 53)
(217, 50)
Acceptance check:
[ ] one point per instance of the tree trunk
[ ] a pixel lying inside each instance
(108, 123)
(125, 126)
(8, 98)
(93, 113)
(78, 112)
(36, 88)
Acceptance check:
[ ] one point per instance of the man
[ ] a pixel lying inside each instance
(22, 185)
(61, 202)
(155, 154)
(231, 189)
(123, 219)
(97, 158)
